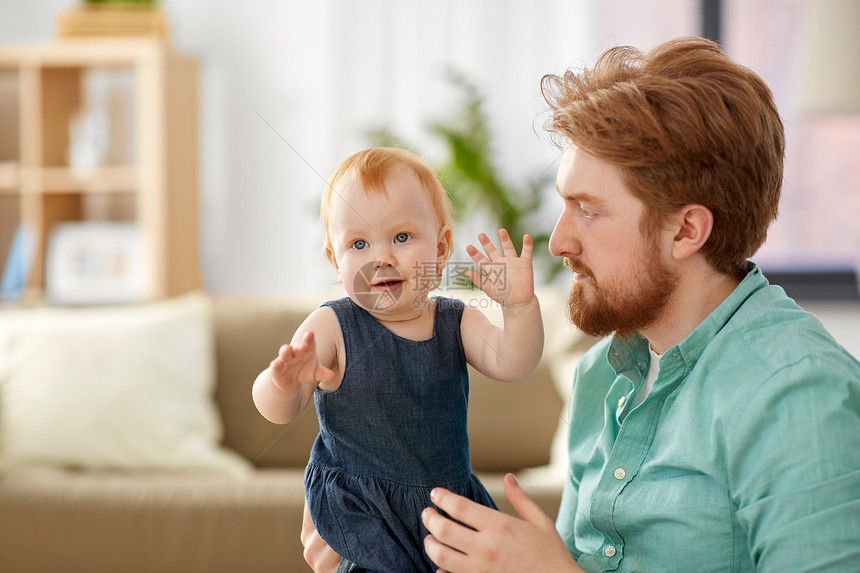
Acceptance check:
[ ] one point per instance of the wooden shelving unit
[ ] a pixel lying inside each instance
(153, 183)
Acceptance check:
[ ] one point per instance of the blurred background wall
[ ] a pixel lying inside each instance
(289, 89)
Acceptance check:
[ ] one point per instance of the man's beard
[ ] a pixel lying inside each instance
(621, 308)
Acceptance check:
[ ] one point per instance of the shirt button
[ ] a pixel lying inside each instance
(621, 401)
(609, 551)
(619, 474)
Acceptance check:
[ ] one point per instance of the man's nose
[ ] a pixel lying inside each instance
(564, 242)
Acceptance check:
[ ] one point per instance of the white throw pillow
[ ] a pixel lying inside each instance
(127, 388)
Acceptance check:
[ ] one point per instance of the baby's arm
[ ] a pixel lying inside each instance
(283, 390)
(511, 352)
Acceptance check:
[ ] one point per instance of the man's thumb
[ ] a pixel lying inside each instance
(525, 507)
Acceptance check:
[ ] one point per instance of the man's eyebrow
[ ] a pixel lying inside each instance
(582, 196)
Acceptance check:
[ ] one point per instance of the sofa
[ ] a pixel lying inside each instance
(91, 488)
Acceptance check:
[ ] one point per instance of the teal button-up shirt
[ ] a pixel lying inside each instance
(745, 455)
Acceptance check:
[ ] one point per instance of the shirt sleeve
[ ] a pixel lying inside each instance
(794, 467)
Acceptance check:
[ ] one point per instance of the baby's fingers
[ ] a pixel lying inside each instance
(298, 348)
(508, 248)
(323, 374)
(489, 247)
(475, 277)
(306, 344)
(483, 282)
(528, 246)
(477, 256)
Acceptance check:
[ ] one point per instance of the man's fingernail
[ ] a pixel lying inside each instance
(433, 495)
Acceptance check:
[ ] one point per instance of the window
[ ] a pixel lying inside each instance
(814, 247)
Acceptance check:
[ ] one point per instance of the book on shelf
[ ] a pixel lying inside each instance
(19, 263)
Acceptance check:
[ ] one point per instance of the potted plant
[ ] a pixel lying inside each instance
(472, 180)
(113, 18)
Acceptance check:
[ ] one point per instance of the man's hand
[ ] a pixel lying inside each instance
(317, 553)
(499, 542)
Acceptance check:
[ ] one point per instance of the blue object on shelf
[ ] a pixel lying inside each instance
(18, 263)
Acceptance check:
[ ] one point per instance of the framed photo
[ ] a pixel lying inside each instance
(94, 263)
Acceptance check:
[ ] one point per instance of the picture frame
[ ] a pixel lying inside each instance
(94, 262)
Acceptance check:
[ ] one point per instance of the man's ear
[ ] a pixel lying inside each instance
(692, 225)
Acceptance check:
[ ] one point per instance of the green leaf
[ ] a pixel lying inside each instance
(470, 176)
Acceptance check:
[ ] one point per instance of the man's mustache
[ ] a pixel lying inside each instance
(576, 267)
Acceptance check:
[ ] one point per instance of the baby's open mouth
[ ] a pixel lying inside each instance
(388, 284)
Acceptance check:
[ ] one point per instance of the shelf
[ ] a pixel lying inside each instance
(53, 98)
(91, 179)
(89, 52)
(9, 179)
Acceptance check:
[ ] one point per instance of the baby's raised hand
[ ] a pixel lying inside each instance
(505, 277)
(297, 364)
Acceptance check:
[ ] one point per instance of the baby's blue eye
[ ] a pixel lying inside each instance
(359, 245)
(401, 238)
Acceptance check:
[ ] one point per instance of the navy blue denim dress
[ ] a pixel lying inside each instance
(392, 431)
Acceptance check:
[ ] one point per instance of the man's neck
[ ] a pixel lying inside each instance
(700, 290)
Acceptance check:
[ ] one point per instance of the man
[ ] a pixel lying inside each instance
(717, 427)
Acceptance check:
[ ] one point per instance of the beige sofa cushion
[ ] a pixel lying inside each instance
(124, 387)
(84, 522)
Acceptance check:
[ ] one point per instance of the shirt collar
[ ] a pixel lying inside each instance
(624, 350)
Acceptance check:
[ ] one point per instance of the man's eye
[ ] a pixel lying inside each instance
(587, 213)
(359, 245)
(401, 238)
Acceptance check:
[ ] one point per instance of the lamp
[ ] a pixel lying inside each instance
(830, 58)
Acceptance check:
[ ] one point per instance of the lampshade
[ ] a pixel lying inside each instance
(830, 58)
